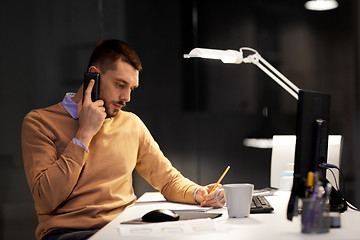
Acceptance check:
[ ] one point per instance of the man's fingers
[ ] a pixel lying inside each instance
(88, 90)
(99, 103)
(209, 199)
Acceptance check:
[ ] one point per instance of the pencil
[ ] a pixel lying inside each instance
(222, 176)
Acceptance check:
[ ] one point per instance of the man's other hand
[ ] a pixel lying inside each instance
(207, 199)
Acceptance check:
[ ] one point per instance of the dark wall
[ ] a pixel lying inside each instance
(199, 111)
(215, 106)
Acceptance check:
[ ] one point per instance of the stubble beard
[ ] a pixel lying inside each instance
(112, 113)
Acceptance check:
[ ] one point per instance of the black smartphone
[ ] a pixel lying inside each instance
(96, 88)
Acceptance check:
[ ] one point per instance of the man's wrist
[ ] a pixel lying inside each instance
(78, 142)
(195, 192)
(83, 137)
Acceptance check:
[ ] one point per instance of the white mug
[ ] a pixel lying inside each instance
(238, 199)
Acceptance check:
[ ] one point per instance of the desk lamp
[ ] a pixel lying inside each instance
(236, 57)
(313, 110)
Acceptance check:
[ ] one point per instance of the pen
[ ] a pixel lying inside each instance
(309, 184)
(310, 179)
(222, 176)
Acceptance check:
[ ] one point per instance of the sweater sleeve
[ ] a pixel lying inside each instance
(159, 172)
(51, 175)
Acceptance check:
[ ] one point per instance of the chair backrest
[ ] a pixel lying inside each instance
(283, 154)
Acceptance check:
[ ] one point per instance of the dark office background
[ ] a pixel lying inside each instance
(198, 111)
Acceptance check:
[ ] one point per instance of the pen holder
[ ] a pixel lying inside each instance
(315, 216)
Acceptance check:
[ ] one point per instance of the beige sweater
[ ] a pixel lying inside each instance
(77, 188)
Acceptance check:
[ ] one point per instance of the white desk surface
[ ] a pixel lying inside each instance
(256, 226)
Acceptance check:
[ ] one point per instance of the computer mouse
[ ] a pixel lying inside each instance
(160, 215)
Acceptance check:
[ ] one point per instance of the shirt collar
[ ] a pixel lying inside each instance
(70, 105)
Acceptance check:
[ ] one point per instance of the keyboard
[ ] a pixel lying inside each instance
(259, 204)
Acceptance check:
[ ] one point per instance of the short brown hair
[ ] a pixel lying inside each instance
(110, 50)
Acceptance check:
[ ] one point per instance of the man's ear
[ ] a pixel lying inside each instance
(94, 69)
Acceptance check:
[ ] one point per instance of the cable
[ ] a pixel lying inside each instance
(336, 183)
(352, 206)
(329, 167)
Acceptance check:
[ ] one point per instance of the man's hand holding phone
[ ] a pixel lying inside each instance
(91, 116)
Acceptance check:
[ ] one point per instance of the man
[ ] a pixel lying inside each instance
(79, 155)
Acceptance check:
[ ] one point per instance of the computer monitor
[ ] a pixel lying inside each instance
(312, 133)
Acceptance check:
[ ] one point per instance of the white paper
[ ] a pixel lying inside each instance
(170, 228)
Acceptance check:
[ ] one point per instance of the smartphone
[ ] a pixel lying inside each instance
(96, 88)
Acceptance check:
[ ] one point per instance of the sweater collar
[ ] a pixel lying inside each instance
(70, 105)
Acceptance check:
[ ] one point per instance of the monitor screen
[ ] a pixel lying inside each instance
(311, 142)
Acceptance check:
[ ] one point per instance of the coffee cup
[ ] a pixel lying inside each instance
(237, 199)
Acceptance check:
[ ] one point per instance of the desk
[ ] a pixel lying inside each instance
(256, 226)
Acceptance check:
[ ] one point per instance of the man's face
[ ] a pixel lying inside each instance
(116, 86)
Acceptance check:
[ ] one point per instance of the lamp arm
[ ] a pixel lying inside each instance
(287, 81)
(278, 81)
(279, 78)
